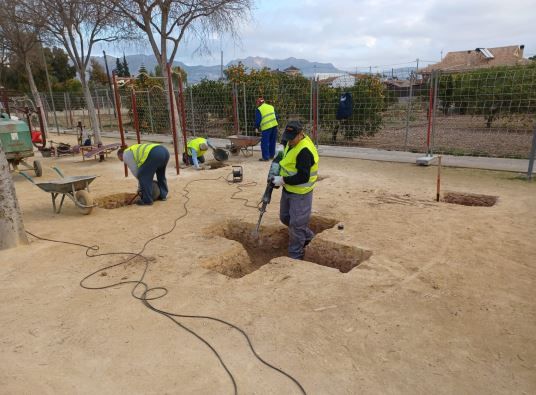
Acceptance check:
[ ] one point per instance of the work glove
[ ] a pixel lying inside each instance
(278, 181)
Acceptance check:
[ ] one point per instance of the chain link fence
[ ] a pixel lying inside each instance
(484, 112)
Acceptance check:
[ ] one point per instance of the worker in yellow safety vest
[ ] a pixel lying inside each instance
(144, 161)
(195, 152)
(266, 123)
(298, 172)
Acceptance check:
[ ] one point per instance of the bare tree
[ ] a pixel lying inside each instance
(166, 23)
(12, 231)
(21, 39)
(78, 25)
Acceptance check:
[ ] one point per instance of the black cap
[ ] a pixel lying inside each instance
(292, 130)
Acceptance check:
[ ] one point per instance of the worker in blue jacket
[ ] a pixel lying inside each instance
(266, 123)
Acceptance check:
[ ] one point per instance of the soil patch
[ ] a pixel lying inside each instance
(115, 201)
(214, 164)
(470, 199)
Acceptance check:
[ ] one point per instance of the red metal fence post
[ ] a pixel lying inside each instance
(172, 113)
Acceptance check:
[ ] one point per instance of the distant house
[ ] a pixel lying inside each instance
(480, 58)
(401, 88)
(292, 70)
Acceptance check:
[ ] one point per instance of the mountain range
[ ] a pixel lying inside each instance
(199, 72)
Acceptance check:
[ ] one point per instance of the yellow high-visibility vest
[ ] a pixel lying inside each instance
(141, 152)
(268, 118)
(288, 166)
(195, 143)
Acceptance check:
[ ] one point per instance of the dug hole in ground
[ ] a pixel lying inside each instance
(412, 296)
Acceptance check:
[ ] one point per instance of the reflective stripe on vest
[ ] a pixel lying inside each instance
(141, 152)
(195, 143)
(288, 166)
(268, 118)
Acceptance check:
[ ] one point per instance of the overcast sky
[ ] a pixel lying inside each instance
(361, 33)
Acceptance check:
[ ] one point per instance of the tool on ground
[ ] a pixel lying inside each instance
(220, 154)
(155, 193)
(134, 198)
(238, 174)
(267, 196)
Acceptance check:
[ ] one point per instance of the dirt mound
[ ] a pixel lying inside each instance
(470, 199)
(115, 201)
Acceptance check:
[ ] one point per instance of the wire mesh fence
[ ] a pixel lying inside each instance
(483, 112)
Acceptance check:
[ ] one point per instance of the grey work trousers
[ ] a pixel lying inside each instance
(295, 212)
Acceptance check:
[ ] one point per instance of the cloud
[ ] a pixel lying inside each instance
(355, 33)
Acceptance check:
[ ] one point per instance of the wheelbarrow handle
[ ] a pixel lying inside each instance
(27, 177)
(57, 170)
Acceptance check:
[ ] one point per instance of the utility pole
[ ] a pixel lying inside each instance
(50, 90)
(221, 64)
(109, 82)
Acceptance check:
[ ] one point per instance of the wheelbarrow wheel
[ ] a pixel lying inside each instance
(38, 169)
(83, 197)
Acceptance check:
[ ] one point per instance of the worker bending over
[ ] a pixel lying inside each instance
(298, 169)
(195, 152)
(144, 161)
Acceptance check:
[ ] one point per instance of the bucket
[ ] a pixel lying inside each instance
(220, 154)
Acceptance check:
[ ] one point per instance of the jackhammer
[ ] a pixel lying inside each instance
(267, 197)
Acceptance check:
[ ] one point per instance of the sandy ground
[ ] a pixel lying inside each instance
(445, 304)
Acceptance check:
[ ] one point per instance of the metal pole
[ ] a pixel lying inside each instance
(192, 110)
(430, 104)
(235, 110)
(317, 95)
(70, 110)
(532, 155)
(109, 80)
(109, 108)
(98, 108)
(245, 109)
(65, 109)
(311, 104)
(135, 114)
(183, 111)
(408, 113)
(149, 106)
(434, 114)
(119, 118)
(50, 91)
(172, 109)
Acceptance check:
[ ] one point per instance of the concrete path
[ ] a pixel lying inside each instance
(501, 164)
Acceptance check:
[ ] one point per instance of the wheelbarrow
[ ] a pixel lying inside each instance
(241, 143)
(75, 187)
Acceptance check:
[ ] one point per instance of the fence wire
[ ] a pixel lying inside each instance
(484, 112)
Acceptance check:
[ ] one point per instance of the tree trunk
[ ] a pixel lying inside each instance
(35, 94)
(90, 107)
(12, 231)
(172, 105)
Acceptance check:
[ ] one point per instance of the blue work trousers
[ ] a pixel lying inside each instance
(268, 142)
(155, 163)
